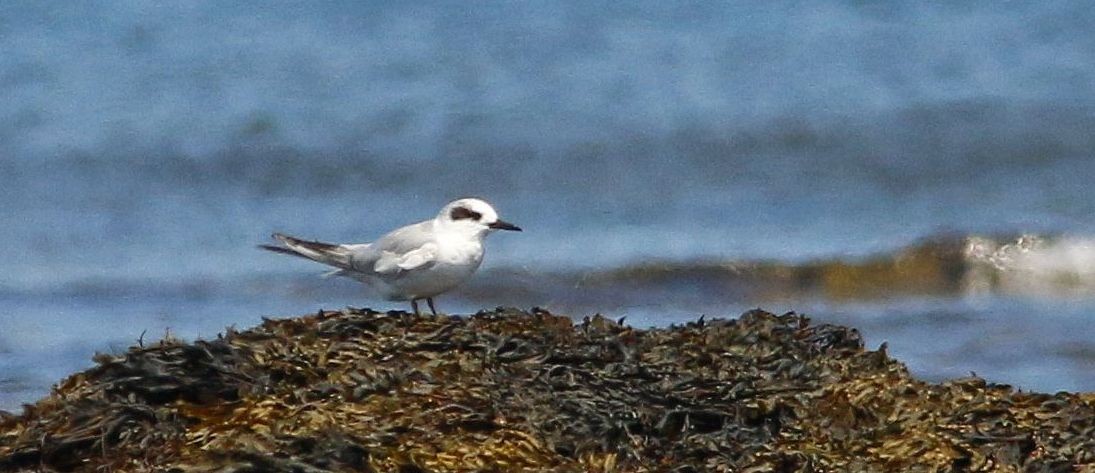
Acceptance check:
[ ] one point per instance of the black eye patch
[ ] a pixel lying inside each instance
(462, 213)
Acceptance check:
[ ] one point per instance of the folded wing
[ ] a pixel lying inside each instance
(403, 250)
(406, 249)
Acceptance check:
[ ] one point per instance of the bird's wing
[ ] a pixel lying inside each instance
(404, 249)
(391, 264)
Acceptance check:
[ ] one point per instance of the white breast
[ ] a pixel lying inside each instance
(456, 263)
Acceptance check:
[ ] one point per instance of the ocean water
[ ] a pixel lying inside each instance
(921, 172)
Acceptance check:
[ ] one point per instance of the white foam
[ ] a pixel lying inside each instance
(1031, 265)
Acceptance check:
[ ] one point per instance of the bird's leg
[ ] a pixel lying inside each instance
(414, 305)
(429, 300)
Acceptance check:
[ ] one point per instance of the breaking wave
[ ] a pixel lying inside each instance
(942, 266)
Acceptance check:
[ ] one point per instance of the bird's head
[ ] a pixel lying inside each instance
(473, 215)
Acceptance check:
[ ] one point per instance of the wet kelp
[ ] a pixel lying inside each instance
(508, 390)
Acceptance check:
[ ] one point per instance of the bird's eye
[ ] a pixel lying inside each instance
(463, 213)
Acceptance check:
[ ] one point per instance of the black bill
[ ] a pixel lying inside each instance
(503, 225)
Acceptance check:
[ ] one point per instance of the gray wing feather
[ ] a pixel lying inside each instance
(404, 249)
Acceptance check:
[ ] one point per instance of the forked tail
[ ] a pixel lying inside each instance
(326, 253)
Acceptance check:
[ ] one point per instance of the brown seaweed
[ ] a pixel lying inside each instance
(507, 390)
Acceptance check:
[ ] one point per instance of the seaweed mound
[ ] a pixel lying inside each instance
(507, 390)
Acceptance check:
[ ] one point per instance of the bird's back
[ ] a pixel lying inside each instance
(406, 239)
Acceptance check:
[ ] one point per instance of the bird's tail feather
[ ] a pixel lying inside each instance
(335, 273)
(283, 250)
(326, 253)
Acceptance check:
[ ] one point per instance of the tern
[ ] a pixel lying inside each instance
(412, 263)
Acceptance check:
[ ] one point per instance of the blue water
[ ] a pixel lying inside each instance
(146, 148)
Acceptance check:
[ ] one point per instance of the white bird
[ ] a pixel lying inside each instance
(414, 262)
